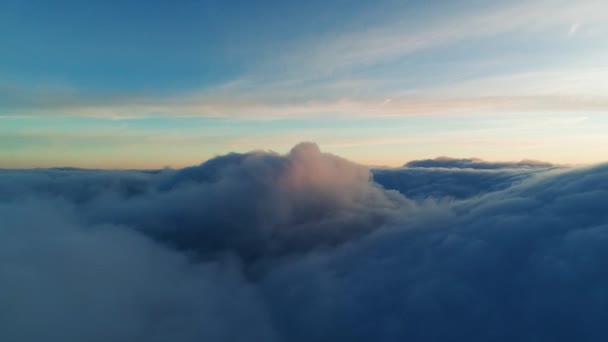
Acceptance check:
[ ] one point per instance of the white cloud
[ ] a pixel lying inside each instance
(398, 38)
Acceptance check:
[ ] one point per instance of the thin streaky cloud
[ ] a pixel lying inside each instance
(390, 41)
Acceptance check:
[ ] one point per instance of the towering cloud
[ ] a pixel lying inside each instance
(259, 204)
(304, 247)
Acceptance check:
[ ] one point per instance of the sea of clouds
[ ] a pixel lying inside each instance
(305, 247)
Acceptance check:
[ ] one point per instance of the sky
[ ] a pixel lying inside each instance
(422, 170)
(128, 84)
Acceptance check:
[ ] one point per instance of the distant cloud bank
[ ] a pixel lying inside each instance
(474, 163)
(305, 246)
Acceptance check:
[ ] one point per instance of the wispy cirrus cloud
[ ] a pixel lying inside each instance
(353, 73)
(439, 102)
(398, 37)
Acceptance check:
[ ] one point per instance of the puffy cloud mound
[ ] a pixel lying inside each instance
(475, 163)
(526, 263)
(260, 204)
(61, 280)
(420, 183)
(305, 246)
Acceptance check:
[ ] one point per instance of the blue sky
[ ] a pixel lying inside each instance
(125, 84)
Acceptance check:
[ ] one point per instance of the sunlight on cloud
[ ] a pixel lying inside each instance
(261, 246)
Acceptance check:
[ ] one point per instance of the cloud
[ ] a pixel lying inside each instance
(569, 91)
(348, 72)
(432, 182)
(305, 246)
(475, 163)
(520, 264)
(396, 38)
(62, 280)
(260, 204)
(585, 85)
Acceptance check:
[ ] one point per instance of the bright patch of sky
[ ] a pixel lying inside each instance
(148, 84)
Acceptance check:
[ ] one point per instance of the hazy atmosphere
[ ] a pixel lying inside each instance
(303, 170)
(131, 84)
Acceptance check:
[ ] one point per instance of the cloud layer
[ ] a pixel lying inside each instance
(304, 247)
(474, 163)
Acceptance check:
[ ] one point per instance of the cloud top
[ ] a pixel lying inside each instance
(305, 246)
(475, 163)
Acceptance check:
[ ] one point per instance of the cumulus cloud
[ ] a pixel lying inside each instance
(522, 264)
(305, 246)
(259, 204)
(62, 280)
(420, 183)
